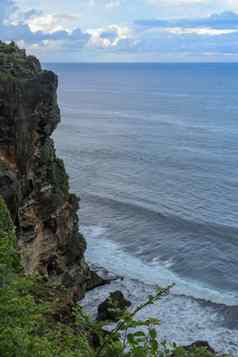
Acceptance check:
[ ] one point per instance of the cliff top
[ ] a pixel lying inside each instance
(15, 64)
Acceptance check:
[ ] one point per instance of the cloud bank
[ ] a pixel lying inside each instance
(59, 36)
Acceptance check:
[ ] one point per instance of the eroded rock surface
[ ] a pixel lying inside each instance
(33, 180)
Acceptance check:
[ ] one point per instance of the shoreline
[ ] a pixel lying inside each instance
(202, 320)
(111, 256)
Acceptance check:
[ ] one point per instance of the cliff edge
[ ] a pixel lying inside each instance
(33, 180)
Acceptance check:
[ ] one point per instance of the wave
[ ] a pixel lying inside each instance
(151, 212)
(112, 257)
(183, 319)
(190, 312)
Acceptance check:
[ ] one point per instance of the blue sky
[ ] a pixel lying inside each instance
(123, 30)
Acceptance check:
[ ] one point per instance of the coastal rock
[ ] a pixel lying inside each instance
(201, 344)
(33, 180)
(113, 307)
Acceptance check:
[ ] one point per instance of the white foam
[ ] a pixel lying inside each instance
(168, 263)
(183, 319)
(112, 257)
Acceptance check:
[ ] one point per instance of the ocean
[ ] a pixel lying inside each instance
(152, 151)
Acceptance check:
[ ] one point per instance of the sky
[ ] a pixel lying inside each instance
(123, 30)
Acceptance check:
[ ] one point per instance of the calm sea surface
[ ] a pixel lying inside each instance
(153, 152)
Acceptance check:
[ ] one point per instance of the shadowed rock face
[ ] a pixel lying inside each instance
(33, 180)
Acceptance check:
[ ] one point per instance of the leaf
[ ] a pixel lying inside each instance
(153, 333)
(139, 334)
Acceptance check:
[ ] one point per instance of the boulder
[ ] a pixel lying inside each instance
(113, 307)
(201, 344)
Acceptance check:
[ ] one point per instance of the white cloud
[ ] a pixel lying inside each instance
(96, 41)
(177, 2)
(58, 36)
(52, 23)
(199, 31)
(109, 36)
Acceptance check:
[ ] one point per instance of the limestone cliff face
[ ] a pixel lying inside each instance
(33, 180)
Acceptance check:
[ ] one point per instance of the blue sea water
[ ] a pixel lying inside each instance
(152, 150)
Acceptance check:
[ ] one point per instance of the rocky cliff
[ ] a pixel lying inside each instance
(33, 180)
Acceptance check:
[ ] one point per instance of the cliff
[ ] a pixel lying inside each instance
(33, 180)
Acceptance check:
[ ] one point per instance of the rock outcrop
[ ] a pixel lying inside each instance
(113, 307)
(33, 180)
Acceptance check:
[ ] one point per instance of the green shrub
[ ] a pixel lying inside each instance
(9, 259)
(6, 77)
(27, 327)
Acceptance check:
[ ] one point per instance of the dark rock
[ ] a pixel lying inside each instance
(113, 307)
(106, 275)
(200, 344)
(96, 281)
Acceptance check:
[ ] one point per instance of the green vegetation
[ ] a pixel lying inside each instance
(59, 176)
(5, 77)
(47, 153)
(38, 319)
(8, 48)
(30, 309)
(14, 63)
(56, 174)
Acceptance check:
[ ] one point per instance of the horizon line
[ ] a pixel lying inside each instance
(138, 63)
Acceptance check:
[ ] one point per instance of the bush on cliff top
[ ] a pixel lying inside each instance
(14, 63)
(36, 320)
